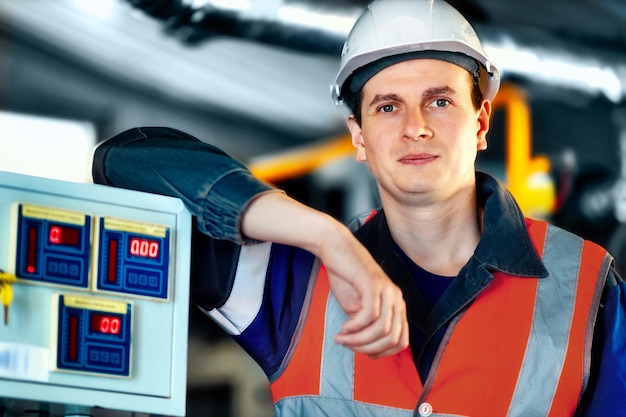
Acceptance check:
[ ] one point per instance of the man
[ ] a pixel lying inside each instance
(444, 302)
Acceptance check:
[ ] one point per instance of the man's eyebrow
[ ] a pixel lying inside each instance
(384, 97)
(437, 91)
(431, 92)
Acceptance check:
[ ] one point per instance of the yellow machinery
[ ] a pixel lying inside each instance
(527, 177)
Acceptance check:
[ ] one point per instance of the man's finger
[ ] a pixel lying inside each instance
(385, 336)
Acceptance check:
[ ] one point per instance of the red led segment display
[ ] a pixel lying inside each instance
(112, 271)
(144, 248)
(102, 323)
(32, 250)
(73, 338)
(64, 235)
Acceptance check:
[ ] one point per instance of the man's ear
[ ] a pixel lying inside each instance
(484, 115)
(357, 138)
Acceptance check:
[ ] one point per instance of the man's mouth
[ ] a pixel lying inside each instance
(417, 158)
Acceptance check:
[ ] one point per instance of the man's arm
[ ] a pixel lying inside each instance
(606, 394)
(229, 203)
(214, 187)
(377, 323)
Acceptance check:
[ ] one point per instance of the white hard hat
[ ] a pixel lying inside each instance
(403, 29)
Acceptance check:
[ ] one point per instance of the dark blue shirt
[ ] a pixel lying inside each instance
(431, 287)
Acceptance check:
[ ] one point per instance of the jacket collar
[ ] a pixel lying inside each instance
(505, 244)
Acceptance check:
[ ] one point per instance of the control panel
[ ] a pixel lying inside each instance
(94, 283)
(53, 246)
(134, 258)
(93, 335)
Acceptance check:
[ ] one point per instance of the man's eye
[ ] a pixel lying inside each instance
(440, 103)
(387, 108)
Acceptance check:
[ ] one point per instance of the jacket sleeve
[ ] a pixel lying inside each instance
(606, 393)
(214, 187)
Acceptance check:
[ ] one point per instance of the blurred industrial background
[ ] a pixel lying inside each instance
(253, 77)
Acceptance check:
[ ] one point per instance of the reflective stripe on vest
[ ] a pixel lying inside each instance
(337, 381)
(521, 348)
(323, 378)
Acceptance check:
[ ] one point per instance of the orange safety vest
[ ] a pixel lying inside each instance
(521, 348)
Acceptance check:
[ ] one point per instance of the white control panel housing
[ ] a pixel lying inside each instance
(98, 321)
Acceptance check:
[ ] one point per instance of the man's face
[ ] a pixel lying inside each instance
(419, 131)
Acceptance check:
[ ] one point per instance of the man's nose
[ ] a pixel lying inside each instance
(416, 126)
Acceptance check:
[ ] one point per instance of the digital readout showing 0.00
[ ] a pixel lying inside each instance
(134, 258)
(144, 248)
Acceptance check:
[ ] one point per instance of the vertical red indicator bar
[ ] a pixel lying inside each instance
(112, 264)
(73, 339)
(32, 250)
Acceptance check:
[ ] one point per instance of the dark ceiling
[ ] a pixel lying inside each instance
(595, 23)
(275, 75)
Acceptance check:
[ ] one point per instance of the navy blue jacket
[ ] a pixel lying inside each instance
(217, 189)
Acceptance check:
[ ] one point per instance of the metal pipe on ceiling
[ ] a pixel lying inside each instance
(295, 26)
(299, 26)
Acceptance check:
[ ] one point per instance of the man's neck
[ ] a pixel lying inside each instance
(440, 237)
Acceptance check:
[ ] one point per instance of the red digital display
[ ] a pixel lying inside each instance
(64, 235)
(32, 250)
(73, 338)
(112, 271)
(145, 248)
(106, 324)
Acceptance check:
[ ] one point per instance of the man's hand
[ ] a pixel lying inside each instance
(377, 323)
